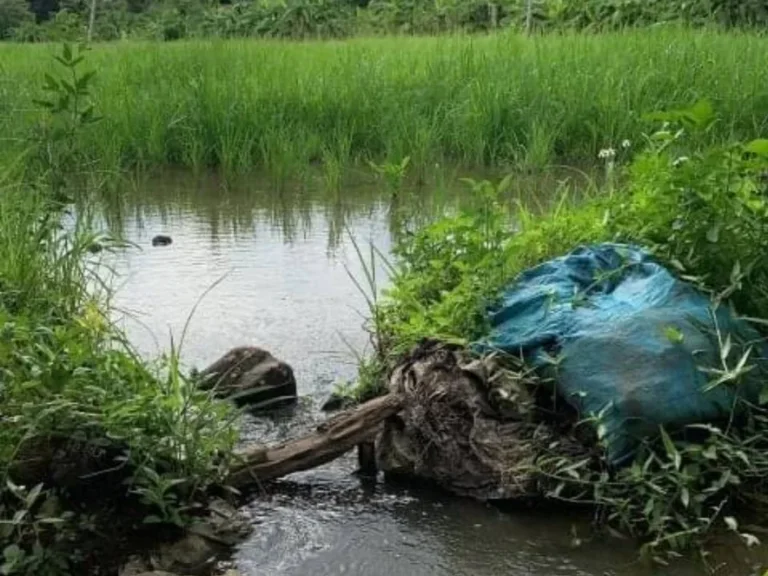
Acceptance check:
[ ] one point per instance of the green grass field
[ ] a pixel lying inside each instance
(465, 100)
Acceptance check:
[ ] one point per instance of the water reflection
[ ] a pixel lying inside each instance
(282, 260)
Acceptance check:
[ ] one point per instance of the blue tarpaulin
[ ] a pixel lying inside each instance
(627, 341)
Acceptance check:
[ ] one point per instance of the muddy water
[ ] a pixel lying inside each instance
(271, 267)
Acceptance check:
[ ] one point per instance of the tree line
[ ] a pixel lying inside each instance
(55, 20)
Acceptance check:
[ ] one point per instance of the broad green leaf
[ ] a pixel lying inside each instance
(759, 147)
(12, 552)
(51, 84)
(44, 103)
(33, 495)
(68, 87)
(669, 446)
(702, 113)
(505, 183)
(82, 82)
(750, 539)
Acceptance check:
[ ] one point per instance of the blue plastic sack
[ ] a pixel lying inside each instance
(625, 340)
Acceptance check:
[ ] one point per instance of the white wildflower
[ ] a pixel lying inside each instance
(606, 154)
(750, 540)
(626, 144)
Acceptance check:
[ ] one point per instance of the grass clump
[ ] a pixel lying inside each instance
(85, 424)
(494, 100)
(72, 385)
(703, 210)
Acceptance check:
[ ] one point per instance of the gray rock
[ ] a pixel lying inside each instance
(136, 566)
(157, 573)
(162, 240)
(225, 524)
(199, 550)
(193, 554)
(251, 375)
(334, 403)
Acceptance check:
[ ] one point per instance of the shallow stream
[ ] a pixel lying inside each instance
(277, 263)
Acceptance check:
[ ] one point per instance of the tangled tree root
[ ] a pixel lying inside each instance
(470, 425)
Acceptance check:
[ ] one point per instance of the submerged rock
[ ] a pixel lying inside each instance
(193, 555)
(251, 375)
(198, 552)
(205, 542)
(334, 403)
(224, 525)
(137, 566)
(162, 240)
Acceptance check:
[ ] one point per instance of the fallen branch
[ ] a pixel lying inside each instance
(333, 439)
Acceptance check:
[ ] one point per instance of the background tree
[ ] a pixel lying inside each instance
(13, 13)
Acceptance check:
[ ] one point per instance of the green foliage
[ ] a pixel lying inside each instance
(618, 14)
(703, 210)
(68, 373)
(679, 490)
(371, 382)
(35, 515)
(393, 173)
(242, 105)
(69, 112)
(446, 273)
(13, 13)
(175, 19)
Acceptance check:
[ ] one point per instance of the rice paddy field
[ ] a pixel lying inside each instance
(496, 100)
(256, 263)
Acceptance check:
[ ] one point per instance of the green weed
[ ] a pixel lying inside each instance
(700, 209)
(490, 100)
(393, 173)
(69, 377)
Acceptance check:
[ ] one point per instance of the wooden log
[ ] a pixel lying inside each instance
(332, 439)
(366, 459)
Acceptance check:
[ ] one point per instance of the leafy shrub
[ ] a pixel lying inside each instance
(701, 210)
(13, 14)
(175, 19)
(67, 373)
